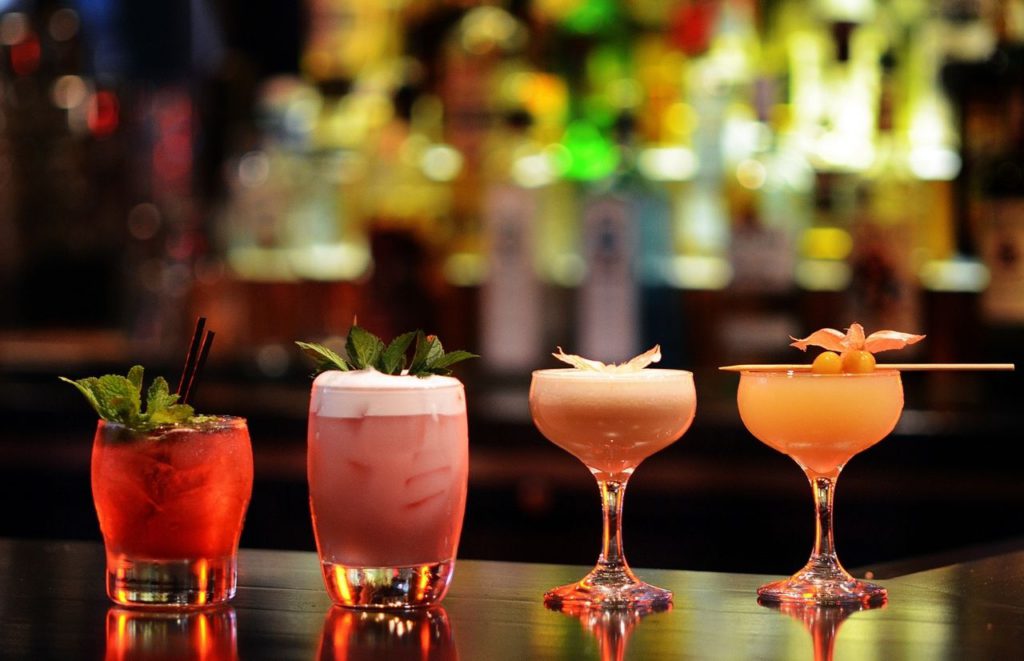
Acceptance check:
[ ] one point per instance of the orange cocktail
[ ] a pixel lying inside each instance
(821, 421)
(171, 502)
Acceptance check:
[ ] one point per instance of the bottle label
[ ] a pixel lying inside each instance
(511, 332)
(608, 313)
(1003, 253)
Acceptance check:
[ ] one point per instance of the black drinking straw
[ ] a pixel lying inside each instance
(190, 357)
(193, 381)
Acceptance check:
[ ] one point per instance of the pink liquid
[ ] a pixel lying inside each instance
(387, 490)
(612, 422)
(820, 420)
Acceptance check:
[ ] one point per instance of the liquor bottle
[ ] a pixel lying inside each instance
(511, 295)
(627, 301)
(884, 291)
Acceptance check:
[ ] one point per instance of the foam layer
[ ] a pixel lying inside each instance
(363, 393)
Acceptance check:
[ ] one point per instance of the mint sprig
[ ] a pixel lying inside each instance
(364, 350)
(118, 399)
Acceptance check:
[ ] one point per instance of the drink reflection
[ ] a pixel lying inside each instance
(822, 622)
(352, 635)
(135, 635)
(612, 627)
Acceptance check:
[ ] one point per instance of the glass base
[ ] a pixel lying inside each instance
(823, 589)
(193, 583)
(607, 587)
(382, 588)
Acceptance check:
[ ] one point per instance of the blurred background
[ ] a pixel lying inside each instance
(603, 175)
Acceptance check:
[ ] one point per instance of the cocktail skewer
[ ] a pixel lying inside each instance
(903, 367)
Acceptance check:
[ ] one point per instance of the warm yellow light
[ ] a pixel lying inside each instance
(667, 163)
(934, 163)
(441, 162)
(534, 170)
(751, 174)
(341, 582)
(335, 261)
(680, 119)
(822, 275)
(829, 243)
(954, 275)
(465, 269)
(69, 92)
(700, 272)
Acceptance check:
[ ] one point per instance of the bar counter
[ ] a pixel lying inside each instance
(52, 606)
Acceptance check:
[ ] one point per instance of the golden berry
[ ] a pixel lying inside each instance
(858, 362)
(827, 362)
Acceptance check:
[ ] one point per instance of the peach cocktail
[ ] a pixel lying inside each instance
(611, 419)
(821, 418)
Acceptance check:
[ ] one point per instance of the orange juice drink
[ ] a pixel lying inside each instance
(387, 467)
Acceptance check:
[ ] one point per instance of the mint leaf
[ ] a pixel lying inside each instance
(364, 350)
(392, 361)
(161, 406)
(120, 398)
(326, 359)
(117, 398)
(86, 388)
(424, 346)
(449, 359)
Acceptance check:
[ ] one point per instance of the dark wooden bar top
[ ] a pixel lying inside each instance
(52, 606)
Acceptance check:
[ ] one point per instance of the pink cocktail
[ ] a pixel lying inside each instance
(387, 466)
(821, 421)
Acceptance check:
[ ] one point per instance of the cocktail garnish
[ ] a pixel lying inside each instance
(634, 364)
(856, 352)
(364, 350)
(119, 399)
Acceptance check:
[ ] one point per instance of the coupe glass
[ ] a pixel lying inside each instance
(821, 421)
(611, 422)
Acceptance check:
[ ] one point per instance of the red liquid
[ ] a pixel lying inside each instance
(173, 494)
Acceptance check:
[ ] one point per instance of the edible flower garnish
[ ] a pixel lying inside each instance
(364, 350)
(856, 351)
(634, 364)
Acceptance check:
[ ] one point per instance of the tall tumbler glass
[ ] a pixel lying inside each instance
(387, 464)
(171, 503)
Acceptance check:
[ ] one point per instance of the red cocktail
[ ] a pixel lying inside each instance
(171, 502)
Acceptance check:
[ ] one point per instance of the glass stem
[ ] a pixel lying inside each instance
(824, 554)
(611, 538)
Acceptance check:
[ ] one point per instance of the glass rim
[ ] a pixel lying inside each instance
(574, 373)
(392, 389)
(219, 421)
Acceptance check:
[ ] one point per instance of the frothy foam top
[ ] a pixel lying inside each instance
(361, 393)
